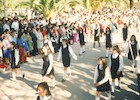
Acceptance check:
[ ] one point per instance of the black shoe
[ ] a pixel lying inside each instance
(63, 80)
(84, 51)
(118, 87)
(131, 71)
(23, 75)
(112, 93)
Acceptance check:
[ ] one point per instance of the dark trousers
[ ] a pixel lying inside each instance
(138, 80)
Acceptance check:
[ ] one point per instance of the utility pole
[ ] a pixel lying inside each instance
(4, 11)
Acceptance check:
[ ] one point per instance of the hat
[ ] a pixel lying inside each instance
(64, 38)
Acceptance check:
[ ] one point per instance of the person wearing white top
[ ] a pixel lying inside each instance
(116, 67)
(43, 92)
(15, 25)
(101, 78)
(64, 52)
(138, 70)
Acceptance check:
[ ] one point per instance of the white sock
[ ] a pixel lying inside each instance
(81, 50)
(109, 95)
(14, 75)
(69, 70)
(65, 75)
(97, 98)
(53, 82)
(113, 87)
(107, 53)
(119, 82)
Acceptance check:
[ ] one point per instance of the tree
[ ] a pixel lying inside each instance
(131, 3)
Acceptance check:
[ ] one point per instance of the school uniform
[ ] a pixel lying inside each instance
(96, 34)
(14, 58)
(116, 65)
(102, 77)
(134, 46)
(65, 52)
(138, 72)
(81, 38)
(47, 60)
(108, 39)
(44, 98)
(125, 33)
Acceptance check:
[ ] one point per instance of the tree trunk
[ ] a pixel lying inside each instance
(4, 11)
(131, 3)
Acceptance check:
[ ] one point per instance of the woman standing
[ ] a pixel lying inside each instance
(108, 39)
(101, 78)
(116, 67)
(47, 63)
(6, 49)
(82, 41)
(39, 40)
(132, 50)
(64, 52)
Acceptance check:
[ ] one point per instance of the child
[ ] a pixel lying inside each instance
(132, 50)
(65, 51)
(14, 60)
(138, 70)
(43, 91)
(116, 66)
(48, 63)
(96, 32)
(108, 40)
(101, 78)
(82, 41)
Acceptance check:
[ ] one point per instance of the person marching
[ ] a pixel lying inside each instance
(138, 70)
(96, 32)
(82, 41)
(116, 67)
(132, 50)
(64, 52)
(101, 78)
(48, 68)
(108, 39)
(44, 92)
(14, 60)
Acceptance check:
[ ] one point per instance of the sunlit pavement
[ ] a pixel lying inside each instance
(78, 87)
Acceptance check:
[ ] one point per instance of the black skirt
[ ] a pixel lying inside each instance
(104, 87)
(96, 38)
(44, 71)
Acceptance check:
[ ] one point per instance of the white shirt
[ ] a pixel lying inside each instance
(138, 64)
(106, 77)
(6, 26)
(115, 55)
(70, 50)
(15, 25)
(45, 98)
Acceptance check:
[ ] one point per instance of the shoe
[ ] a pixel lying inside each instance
(83, 51)
(112, 93)
(118, 87)
(131, 71)
(63, 80)
(23, 75)
(13, 79)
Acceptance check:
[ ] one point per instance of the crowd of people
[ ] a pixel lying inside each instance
(22, 38)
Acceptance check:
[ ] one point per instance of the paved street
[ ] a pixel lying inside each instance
(78, 87)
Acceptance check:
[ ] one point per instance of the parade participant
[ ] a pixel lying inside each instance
(101, 78)
(14, 60)
(132, 50)
(48, 68)
(81, 40)
(96, 32)
(64, 52)
(125, 32)
(138, 70)
(108, 40)
(43, 91)
(116, 67)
